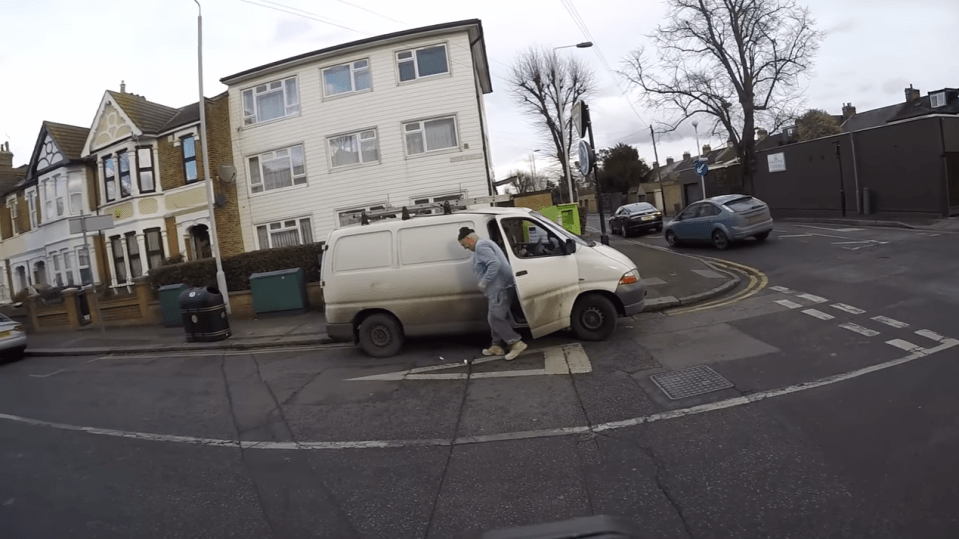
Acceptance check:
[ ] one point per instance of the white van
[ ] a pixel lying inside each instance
(394, 278)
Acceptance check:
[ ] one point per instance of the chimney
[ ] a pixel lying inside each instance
(6, 158)
(761, 133)
(686, 156)
(655, 165)
(706, 149)
(912, 94)
(123, 87)
(669, 161)
(848, 111)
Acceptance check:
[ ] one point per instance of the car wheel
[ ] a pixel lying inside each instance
(381, 335)
(720, 240)
(671, 239)
(762, 236)
(625, 232)
(593, 318)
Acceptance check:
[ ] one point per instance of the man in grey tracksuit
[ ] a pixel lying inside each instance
(495, 277)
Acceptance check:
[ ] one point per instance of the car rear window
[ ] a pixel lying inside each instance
(744, 204)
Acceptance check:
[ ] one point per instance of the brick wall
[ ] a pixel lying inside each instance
(220, 146)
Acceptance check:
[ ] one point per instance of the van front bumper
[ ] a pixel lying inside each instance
(340, 332)
(633, 297)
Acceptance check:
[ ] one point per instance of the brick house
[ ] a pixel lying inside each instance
(149, 178)
(392, 120)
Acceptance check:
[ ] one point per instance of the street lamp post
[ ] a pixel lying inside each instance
(699, 156)
(562, 123)
(214, 238)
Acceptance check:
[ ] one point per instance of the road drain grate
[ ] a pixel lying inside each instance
(690, 382)
(649, 315)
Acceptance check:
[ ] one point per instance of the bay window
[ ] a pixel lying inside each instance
(145, 169)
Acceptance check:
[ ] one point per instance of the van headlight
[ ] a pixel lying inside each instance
(630, 277)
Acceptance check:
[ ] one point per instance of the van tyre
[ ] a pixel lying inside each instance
(381, 335)
(762, 236)
(593, 318)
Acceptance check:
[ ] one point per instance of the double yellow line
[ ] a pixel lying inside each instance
(757, 281)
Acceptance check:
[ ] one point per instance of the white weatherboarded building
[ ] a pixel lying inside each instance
(391, 120)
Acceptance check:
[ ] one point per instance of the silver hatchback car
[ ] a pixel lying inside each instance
(720, 220)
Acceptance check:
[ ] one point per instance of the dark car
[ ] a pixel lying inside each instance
(637, 217)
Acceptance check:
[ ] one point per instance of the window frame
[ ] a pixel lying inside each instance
(422, 130)
(283, 226)
(107, 180)
(353, 72)
(33, 200)
(289, 108)
(12, 206)
(436, 199)
(358, 210)
(187, 160)
(132, 244)
(74, 180)
(124, 156)
(150, 253)
(260, 174)
(119, 260)
(416, 65)
(141, 169)
(81, 266)
(57, 259)
(68, 267)
(939, 97)
(357, 136)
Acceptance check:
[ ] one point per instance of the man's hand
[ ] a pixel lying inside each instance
(482, 285)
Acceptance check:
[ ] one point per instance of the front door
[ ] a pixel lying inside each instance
(547, 279)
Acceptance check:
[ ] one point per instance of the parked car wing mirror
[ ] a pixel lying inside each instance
(570, 246)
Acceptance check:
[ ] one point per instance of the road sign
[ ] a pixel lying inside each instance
(94, 223)
(701, 168)
(580, 116)
(586, 157)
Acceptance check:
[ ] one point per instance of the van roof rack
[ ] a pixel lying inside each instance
(416, 210)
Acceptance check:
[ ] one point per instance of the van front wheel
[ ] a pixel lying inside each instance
(593, 318)
(381, 335)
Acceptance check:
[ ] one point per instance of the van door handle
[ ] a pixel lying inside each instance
(520, 273)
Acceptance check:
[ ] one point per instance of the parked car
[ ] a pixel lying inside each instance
(636, 217)
(720, 220)
(13, 337)
(392, 279)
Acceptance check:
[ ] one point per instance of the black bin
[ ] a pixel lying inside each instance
(204, 314)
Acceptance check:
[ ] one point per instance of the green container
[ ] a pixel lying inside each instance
(170, 304)
(281, 291)
(565, 214)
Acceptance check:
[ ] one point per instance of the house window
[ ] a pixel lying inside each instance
(12, 206)
(68, 267)
(33, 202)
(75, 189)
(937, 99)
(415, 64)
(276, 99)
(145, 169)
(354, 148)
(119, 263)
(285, 233)
(126, 183)
(278, 169)
(154, 241)
(453, 199)
(109, 180)
(50, 197)
(57, 276)
(355, 215)
(83, 262)
(133, 249)
(341, 79)
(188, 144)
(430, 135)
(61, 190)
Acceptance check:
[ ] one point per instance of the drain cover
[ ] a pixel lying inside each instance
(690, 382)
(649, 315)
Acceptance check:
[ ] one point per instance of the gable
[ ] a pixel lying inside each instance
(111, 127)
(49, 155)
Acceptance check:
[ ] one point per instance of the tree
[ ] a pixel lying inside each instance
(621, 168)
(543, 83)
(815, 124)
(525, 182)
(732, 60)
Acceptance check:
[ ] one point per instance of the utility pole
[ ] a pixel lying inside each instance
(659, 173)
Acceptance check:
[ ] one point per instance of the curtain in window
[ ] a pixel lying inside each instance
(269, 106)
(76, 195)
(276, 174)
(154, 241)
(344, 151)
(440, 134)
(414, 143)
(306, 231)
(286, 238)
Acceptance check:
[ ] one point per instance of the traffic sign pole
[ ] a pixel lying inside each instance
(603, 236)
(702, 169)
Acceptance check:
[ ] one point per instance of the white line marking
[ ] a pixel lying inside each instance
(440, 376)
(577, 360)
(812, 298)
(848, 308)
(890, 322)
(509, 374)
(850, 242)
(796, 236)
(905, 345)
(849, 229)
(859, 329)
(653, 281)
(782, 289)
(47, 375)
(930, 335)
(790, 304)
(556, 362)
(544, 433)
(818, 314)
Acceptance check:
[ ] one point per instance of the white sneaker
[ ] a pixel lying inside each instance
(515, 349)
(495, 350)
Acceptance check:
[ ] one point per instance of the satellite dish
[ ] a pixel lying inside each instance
(226, 172)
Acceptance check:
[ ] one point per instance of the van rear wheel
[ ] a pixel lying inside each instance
(381, 335)
(593, 318)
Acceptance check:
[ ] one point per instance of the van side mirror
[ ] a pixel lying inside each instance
(570, 247)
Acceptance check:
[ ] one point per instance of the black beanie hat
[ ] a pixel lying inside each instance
(465, 231)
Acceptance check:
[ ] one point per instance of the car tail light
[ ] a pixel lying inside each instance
(630, 277)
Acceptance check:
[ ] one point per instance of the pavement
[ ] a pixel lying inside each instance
(672, 279)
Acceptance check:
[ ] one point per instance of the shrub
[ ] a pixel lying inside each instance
(238, 268)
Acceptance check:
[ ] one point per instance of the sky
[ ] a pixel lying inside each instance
(58, 57)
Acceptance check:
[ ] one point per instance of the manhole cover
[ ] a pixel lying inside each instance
(690, 382)
(648, 315)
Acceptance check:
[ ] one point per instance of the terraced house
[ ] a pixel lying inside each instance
(393, 120)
